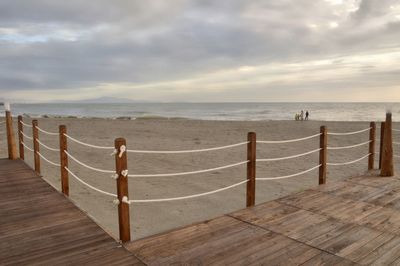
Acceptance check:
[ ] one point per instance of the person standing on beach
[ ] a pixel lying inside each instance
(302, 115)
(307, 115)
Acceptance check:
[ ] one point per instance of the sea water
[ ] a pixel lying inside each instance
(213, 111)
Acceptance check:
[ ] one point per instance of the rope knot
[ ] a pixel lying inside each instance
(122, 149)
(116, 202)
(115, 176)
(114, 152)
(126, 200)
(124, 173)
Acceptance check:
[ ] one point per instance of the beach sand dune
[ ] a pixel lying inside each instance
(180, 134)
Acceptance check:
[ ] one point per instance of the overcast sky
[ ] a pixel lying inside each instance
(205, 50)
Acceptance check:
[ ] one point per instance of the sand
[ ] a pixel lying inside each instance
(161, 134)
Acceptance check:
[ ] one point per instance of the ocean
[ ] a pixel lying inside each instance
(213, 111)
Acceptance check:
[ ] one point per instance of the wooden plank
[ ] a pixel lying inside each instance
(39, 226)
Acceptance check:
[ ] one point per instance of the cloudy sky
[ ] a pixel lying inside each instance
(200, 50)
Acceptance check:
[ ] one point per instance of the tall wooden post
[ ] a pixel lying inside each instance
(387, 149)
(251, 170)
(36, 147)
(323, 143)
(64, 160)
(12, 148)
(381, 144)
(21, 138)
(121, 165)
(371, 150)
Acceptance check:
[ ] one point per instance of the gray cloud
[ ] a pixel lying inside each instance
(73, 44)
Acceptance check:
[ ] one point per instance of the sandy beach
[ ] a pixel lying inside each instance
(180, 134)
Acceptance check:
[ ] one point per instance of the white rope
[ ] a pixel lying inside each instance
(47, 132)
(88, 145)
(190, 151)
(27, 125)
(287, 141)
(397, 130)
(26, 146)
(348, 133)
(288, 157)
(191, 173)
(349, 147)
(47, 160)
(351, 162)
(26, 136)
(2, 122)
(185, 197)
(47, 147)
(87, 166)
(397, 143)
(90, 186)
(397, 156)
(288, 176)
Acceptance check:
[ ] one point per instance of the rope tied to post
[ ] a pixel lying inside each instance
(47, 132)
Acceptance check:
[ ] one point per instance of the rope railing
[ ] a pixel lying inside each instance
(397, 143)
(26, 136)
(289, 176)
(47, 147)
(193, 172)
(89, 145)
(349, 133)
(287, 141)
(47, 160)
(397, 130)
(288, 157)
(351, 162)
(47, 132)
(2, 122)
(120, 173)
(190, 151)
(90, 186)
(349, 147)
(27, 147)
(27, 125)
(88, 166)
(126, 200)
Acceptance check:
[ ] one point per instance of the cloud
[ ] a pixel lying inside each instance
(54, 49)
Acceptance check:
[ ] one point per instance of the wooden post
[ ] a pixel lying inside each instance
(251, 170)
(387, 149)
(381, 144)
(64, 160)
(371, 150)
(12, 148)
(323, 143)
(121, 164)
(21, 138)
(36, 147)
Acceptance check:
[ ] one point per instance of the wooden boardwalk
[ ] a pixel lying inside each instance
(352, 222)
(39, 226)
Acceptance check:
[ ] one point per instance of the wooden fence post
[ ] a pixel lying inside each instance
(371, 150)
(381, 144)
(121, 165)
(387, 149)
(12, 148)
(36, 147)
(323, 143)
(251, 170)
(21, 138)
(64, 160)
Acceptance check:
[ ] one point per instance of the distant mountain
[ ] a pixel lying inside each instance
(103, 100)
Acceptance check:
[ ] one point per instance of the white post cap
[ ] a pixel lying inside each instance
(7, 106)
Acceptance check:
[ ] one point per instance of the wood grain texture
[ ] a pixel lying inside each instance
(39, 226)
